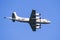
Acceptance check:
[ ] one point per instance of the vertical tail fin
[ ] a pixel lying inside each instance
(14, 15)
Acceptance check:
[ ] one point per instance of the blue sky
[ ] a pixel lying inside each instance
(49, 9)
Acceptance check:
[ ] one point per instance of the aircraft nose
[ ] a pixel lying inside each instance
(49, 21)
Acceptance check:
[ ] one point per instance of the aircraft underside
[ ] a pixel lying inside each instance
(35, 21)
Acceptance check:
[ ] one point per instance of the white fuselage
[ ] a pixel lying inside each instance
(42, 21)
(35, 21)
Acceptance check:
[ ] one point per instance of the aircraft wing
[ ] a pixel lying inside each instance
(33, 20)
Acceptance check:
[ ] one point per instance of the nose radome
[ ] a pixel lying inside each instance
(49, 21)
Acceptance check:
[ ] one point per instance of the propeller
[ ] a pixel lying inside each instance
(40, 21)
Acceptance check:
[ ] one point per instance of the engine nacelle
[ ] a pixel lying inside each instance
(37, 24)
(37, 27)
(37, 14)
(37, 17)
